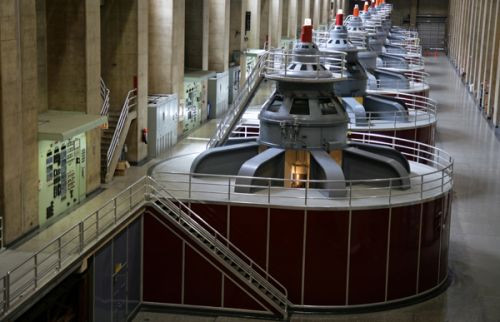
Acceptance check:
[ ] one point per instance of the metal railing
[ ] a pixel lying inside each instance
(233, 114)
(358, 39)
(411, 64)
(20, 282)
(105, 95)
(415, 80)
(45, 264)
(435, 180)
(278, 62)
(420, 110)
(202, 230)
(130, 102)
(410, 51)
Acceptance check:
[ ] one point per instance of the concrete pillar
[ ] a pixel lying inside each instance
(196, 37)
(70, 67)
(218, 47)
(253, 6)
(325, 10)
(293, 17)
(264, 23)
(236, 28)
(285, 18)
(482, 49)
(306, 10)
(124, 53)
(413, 13)
(18, 118)
(275, 22)
(316, 13)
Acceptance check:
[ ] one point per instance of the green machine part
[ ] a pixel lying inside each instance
(193, 94)
(62, 171)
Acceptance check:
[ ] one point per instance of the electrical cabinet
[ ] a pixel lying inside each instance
(62, 175)
(193, 105)
(234, 83)
(251, 57)
(162, 123)
(218, 88)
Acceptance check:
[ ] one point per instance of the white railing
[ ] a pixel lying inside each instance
(272, 191)
(412, 64)
(420, 110)
(405, 51)
(239, 105)
(130, 102)
(278, 62)
(358, 39)
(415, 81)
(44, 265)
(105, 95)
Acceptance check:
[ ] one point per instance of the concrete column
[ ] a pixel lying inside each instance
(243, 41)
(18, 118)
(70, 66)
(196, 38)
(325, 10)
(316, 13)
(306, 10)
(264, 22)
(293, 14)
(482, 50)
(413, 13)
(218, 47)
(236, 28)
(285, 18)
(166, 46)
(275, 22)
(253, 6)
(124, 53)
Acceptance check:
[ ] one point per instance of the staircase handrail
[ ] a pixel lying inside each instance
(222, 243)
(130, 102)
(105, 95)
(236, 109)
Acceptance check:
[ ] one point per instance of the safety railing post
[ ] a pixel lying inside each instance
(114, 210)
(35, 271)
(59, 255)
(269, 191)
(422, 186)
(189, 185)
(81, 236)
(229, 188)
(6, 292)
(130, 199)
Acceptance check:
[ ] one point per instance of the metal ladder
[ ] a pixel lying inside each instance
(220, 248)
(234, 113)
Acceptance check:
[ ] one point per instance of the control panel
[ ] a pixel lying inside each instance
(62, 175)
(194, 92)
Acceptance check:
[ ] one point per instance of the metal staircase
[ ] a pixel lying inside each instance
(236, 110)
(220, 248)
(105, 93)
(114, 137)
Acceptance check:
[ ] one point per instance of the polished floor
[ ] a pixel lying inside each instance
(474, 294)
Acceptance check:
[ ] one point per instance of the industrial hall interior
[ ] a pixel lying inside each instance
(246, 160)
